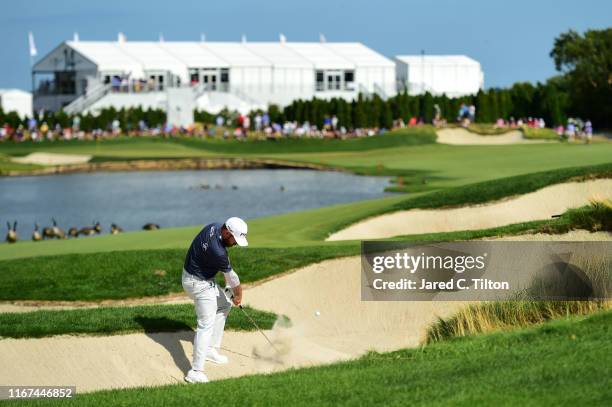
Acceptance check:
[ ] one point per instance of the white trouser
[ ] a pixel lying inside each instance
(212, 308)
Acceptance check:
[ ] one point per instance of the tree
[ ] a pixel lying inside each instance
(586, 60)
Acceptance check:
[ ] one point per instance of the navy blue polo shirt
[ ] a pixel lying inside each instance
(207, 255)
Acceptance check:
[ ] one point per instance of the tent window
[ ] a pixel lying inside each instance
(194, 76)
(320, 81)
(224, 75)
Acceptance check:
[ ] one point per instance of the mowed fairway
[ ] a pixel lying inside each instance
(448, 165)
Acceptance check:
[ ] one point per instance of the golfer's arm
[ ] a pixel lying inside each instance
(232, 280)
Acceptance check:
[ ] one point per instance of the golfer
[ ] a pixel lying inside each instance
(206, 256)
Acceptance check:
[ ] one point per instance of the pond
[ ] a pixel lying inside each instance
(173, 198)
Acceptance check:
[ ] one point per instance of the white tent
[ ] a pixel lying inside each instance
(453, 75)
(254, 73)
(15, 100)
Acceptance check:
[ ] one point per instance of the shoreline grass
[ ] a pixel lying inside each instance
(119, 320)
(506, 368)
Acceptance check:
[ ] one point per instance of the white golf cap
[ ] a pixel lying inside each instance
(238, 228)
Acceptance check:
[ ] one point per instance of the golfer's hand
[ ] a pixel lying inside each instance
(237, 298)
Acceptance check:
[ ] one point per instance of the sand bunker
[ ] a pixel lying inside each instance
(541, 204)
(345, 328)
(53, 159)
(459, 136)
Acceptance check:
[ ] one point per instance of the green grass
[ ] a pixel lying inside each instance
(595, 217)
(7, 166)
(565, 362)
(119, 320)
(125, 147)
(448, 166)
(541, 134)
(396, 138)
(501, 188)
(138, 273)
(174, 147)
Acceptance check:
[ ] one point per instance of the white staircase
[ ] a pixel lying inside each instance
(83, 102)
(101, 97)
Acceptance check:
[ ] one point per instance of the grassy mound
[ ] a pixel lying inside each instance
(539, 134)
(119, 320)
(594, 217)
(501, 188)
(137, 273)
(173, 147)
(396, 138)
(507, 315)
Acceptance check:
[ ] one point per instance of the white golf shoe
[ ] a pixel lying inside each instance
(196, 376)
(214, 356)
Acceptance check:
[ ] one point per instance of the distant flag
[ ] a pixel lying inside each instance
(161, 37)
(322, 38)
(75, 37)
(202, 37)
(282, 38)
(33, 51)
(244, 39)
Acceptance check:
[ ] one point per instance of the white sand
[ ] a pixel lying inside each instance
(53, 159)
(541, 204)
(460, 136)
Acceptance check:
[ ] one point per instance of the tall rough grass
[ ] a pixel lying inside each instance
(504, 315)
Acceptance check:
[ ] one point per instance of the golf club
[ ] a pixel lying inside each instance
(227, 289)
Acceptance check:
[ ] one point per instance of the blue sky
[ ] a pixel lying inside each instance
(511, 39)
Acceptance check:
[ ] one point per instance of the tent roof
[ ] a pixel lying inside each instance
(194, 54)
(438, 59)
(278, 54)
(137, 57)
(107, 55)
(359, 54)
(321, 56)
(235, 54)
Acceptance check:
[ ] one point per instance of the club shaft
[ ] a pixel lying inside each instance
(258, 328)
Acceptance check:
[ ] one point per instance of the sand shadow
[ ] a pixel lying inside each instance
(169, 333)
